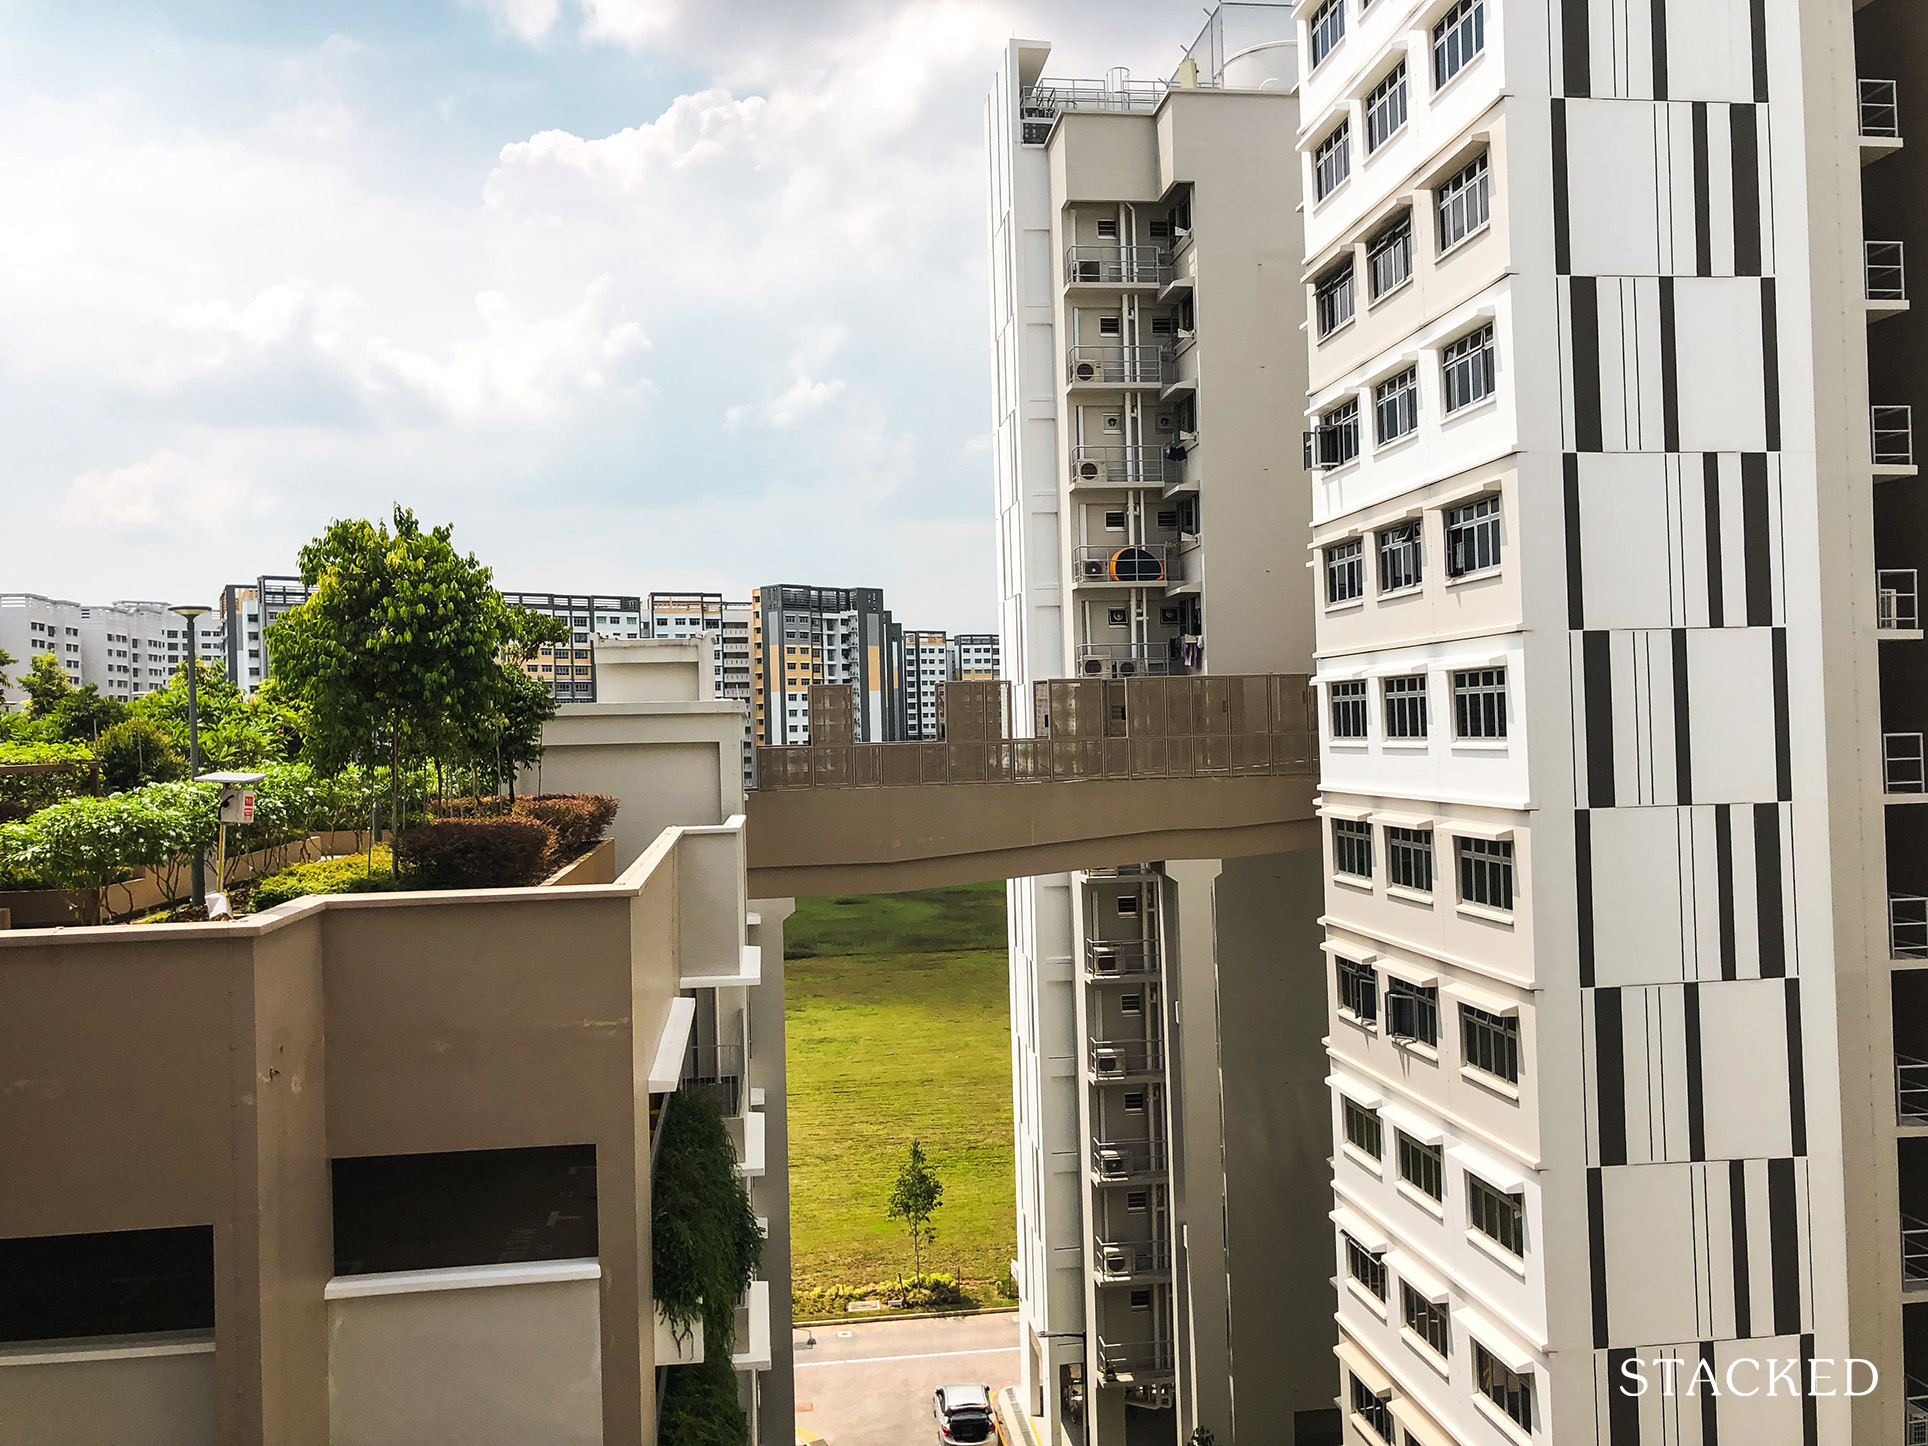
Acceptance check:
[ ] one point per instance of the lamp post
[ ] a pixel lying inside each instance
(197, 865)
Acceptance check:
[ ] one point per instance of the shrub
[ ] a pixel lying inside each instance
(350, 874)
(699, 1405)
(929, 1291)
(482, 853)
(136, 751)
(577, 818)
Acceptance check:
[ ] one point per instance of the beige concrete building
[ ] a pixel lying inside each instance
(371, 1169)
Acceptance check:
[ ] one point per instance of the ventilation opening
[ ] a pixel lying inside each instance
(120, 1282)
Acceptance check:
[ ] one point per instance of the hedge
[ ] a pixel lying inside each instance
(476, 853)
(578, 819)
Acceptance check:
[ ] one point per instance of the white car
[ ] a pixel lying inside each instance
(964, 1415)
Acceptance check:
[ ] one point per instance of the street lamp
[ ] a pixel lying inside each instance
(197, 865)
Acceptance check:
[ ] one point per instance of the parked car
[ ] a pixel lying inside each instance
(964, 1416)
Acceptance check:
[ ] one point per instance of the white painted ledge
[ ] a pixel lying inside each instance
(107, 1348)
(751, 1162)
(749, 973)
(755, 1356)
(461, 1277)
(666, 1070)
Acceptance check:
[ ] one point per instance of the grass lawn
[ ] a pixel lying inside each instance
(898, 1028)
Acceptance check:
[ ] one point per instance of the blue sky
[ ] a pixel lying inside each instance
(635, 293)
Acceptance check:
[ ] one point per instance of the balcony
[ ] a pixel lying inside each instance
(1880, 119)
(1116, 266)
(1115, 1060)
(1128, 1362)
(1911, 1090)
(1902, 767)
(715, 1070)
(1891, 437)
(1119, 466)
(1907, 926)
(1113, 365)
(1126, 660)
(1121, 564)
(1914, 1252)
(1121, 1262)
(1884, 278)
(1125, 1162)
(1914, 1425)
(1107, 959)
(1897, 601)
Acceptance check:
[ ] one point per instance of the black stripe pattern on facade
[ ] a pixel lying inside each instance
(1610, 1075)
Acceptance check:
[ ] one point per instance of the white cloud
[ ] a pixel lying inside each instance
(165, 493)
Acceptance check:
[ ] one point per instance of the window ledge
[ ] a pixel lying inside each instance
(1481, 745)
(1366, 1297)
(1353, 881)
(1423, 1348)
(1400, 891)
(1351, 604)
(1400, 594)
(1496, 1252)
(1489, 402)
(1326, 200)
(1395, 444)
(1338, 330)
(1474, 1075)
(1498, 1417)
(1404, 286)
(1410, 1192)
(1484, 911)
(1406, 745)
(1459, 75)
(1470, 237)
(1365, 1162)
(1470, 577)
(1349, 745)
(1419, 1049)
(1368, 1026)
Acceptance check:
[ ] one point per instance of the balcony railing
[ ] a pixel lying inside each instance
(715, 1070)
(1897, 599)
(1911, 1090)
(1902, 766)
(1914, 1414)
(1116, 1059)
(1133, 563)
(1914, 1250)
(1907, 926)
(1115, 364)
(1119, 958)
(1892, 434)
(1880, 115)
(1122, 1160)
(1120, 466)
(1049, 97)
(1118, 1261)
(1116, 265)
(1137, 1359)
(1126, 660)
(1883, 272)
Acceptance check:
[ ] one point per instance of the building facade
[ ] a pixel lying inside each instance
(1594, 533)
(124, 649)
(570, 668)
(974, 657)
(727, 624)
(245, 612)
(801, 635)
(926, 667)
(1167, 1074)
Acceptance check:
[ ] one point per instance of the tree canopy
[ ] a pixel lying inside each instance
(914, 1199)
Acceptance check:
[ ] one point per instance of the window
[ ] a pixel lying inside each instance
(1337, 436)
(1128, 905)
(1406, 707)
(1473, 537)
(1138, 1200)
(1134, 1102)
(1345, 570)
(1467, 369)
(1409, 858)
(1332, 161)
(1141, 1300)
(1348, 701)
(1363, 1130)
(1328, 28)
(1395, 407)
(1114, 522)
(1463, 204)
(1399, 556)
(1107, 230)
(1497, 1215)
(1490, 1042)
(1479, 703)
(1333, 299)
(1352, 847)
(1110, 326)
(1422, 1166)
(1426, 1320)
(1389, 259)
(1486, 872)
(1366, 1268)
(1132, 1004)
(1458, 37)
(1386, 108)
(1370, 1409)
(1358, 992)
(1504, 1387)
(1412, 1011)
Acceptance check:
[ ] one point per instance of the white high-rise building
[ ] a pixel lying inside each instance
(124, 649)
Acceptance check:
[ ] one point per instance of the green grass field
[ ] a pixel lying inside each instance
(898, 1029)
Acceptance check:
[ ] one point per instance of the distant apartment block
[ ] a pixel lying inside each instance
(246, 610)
(124, 649)
(927, 666)
(801, 635)
(570, 667)
(727, 625)
(974, 657)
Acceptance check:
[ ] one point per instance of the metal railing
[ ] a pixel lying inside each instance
(1121, 1260)
(715, 1070)
(1051, 97)
(1892, 435)
(1121, 466)
(1902, 768)
(1135, 1358)
(1123, 871)
(1126, 1159)
(1115, 364)
(1911, 1090)
(1897, 598)
(1914, 1250)
(1880, 114)
(1132, 563)
(1914, 1414)
(1115, 264)
(1119, 958)
(1125, 660)
(1907, 926)
(1125, 1058)
(1883, 272)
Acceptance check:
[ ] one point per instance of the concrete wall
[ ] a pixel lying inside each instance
(150, 1391)
(502, 1365)
(771, 1193)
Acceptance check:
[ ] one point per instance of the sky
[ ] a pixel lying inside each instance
(633, 293)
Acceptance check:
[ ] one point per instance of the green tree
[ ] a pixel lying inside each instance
(83, 715)
(914, 1199)
(46, 683)
(87, 844)
(138, 751)
(7, 660)
(396, 645)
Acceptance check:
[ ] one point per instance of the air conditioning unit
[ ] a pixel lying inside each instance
(1087, 371)
(1112, 1165)
(1114, 1260)
(1107, 1062)
(1126, 670)
(1188, 438)
(1093, 666)
(1094, 567)
(1088, 271)
(1090, 471)
(1103, 961)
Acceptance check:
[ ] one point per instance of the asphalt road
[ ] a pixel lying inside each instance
(870, 1384)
